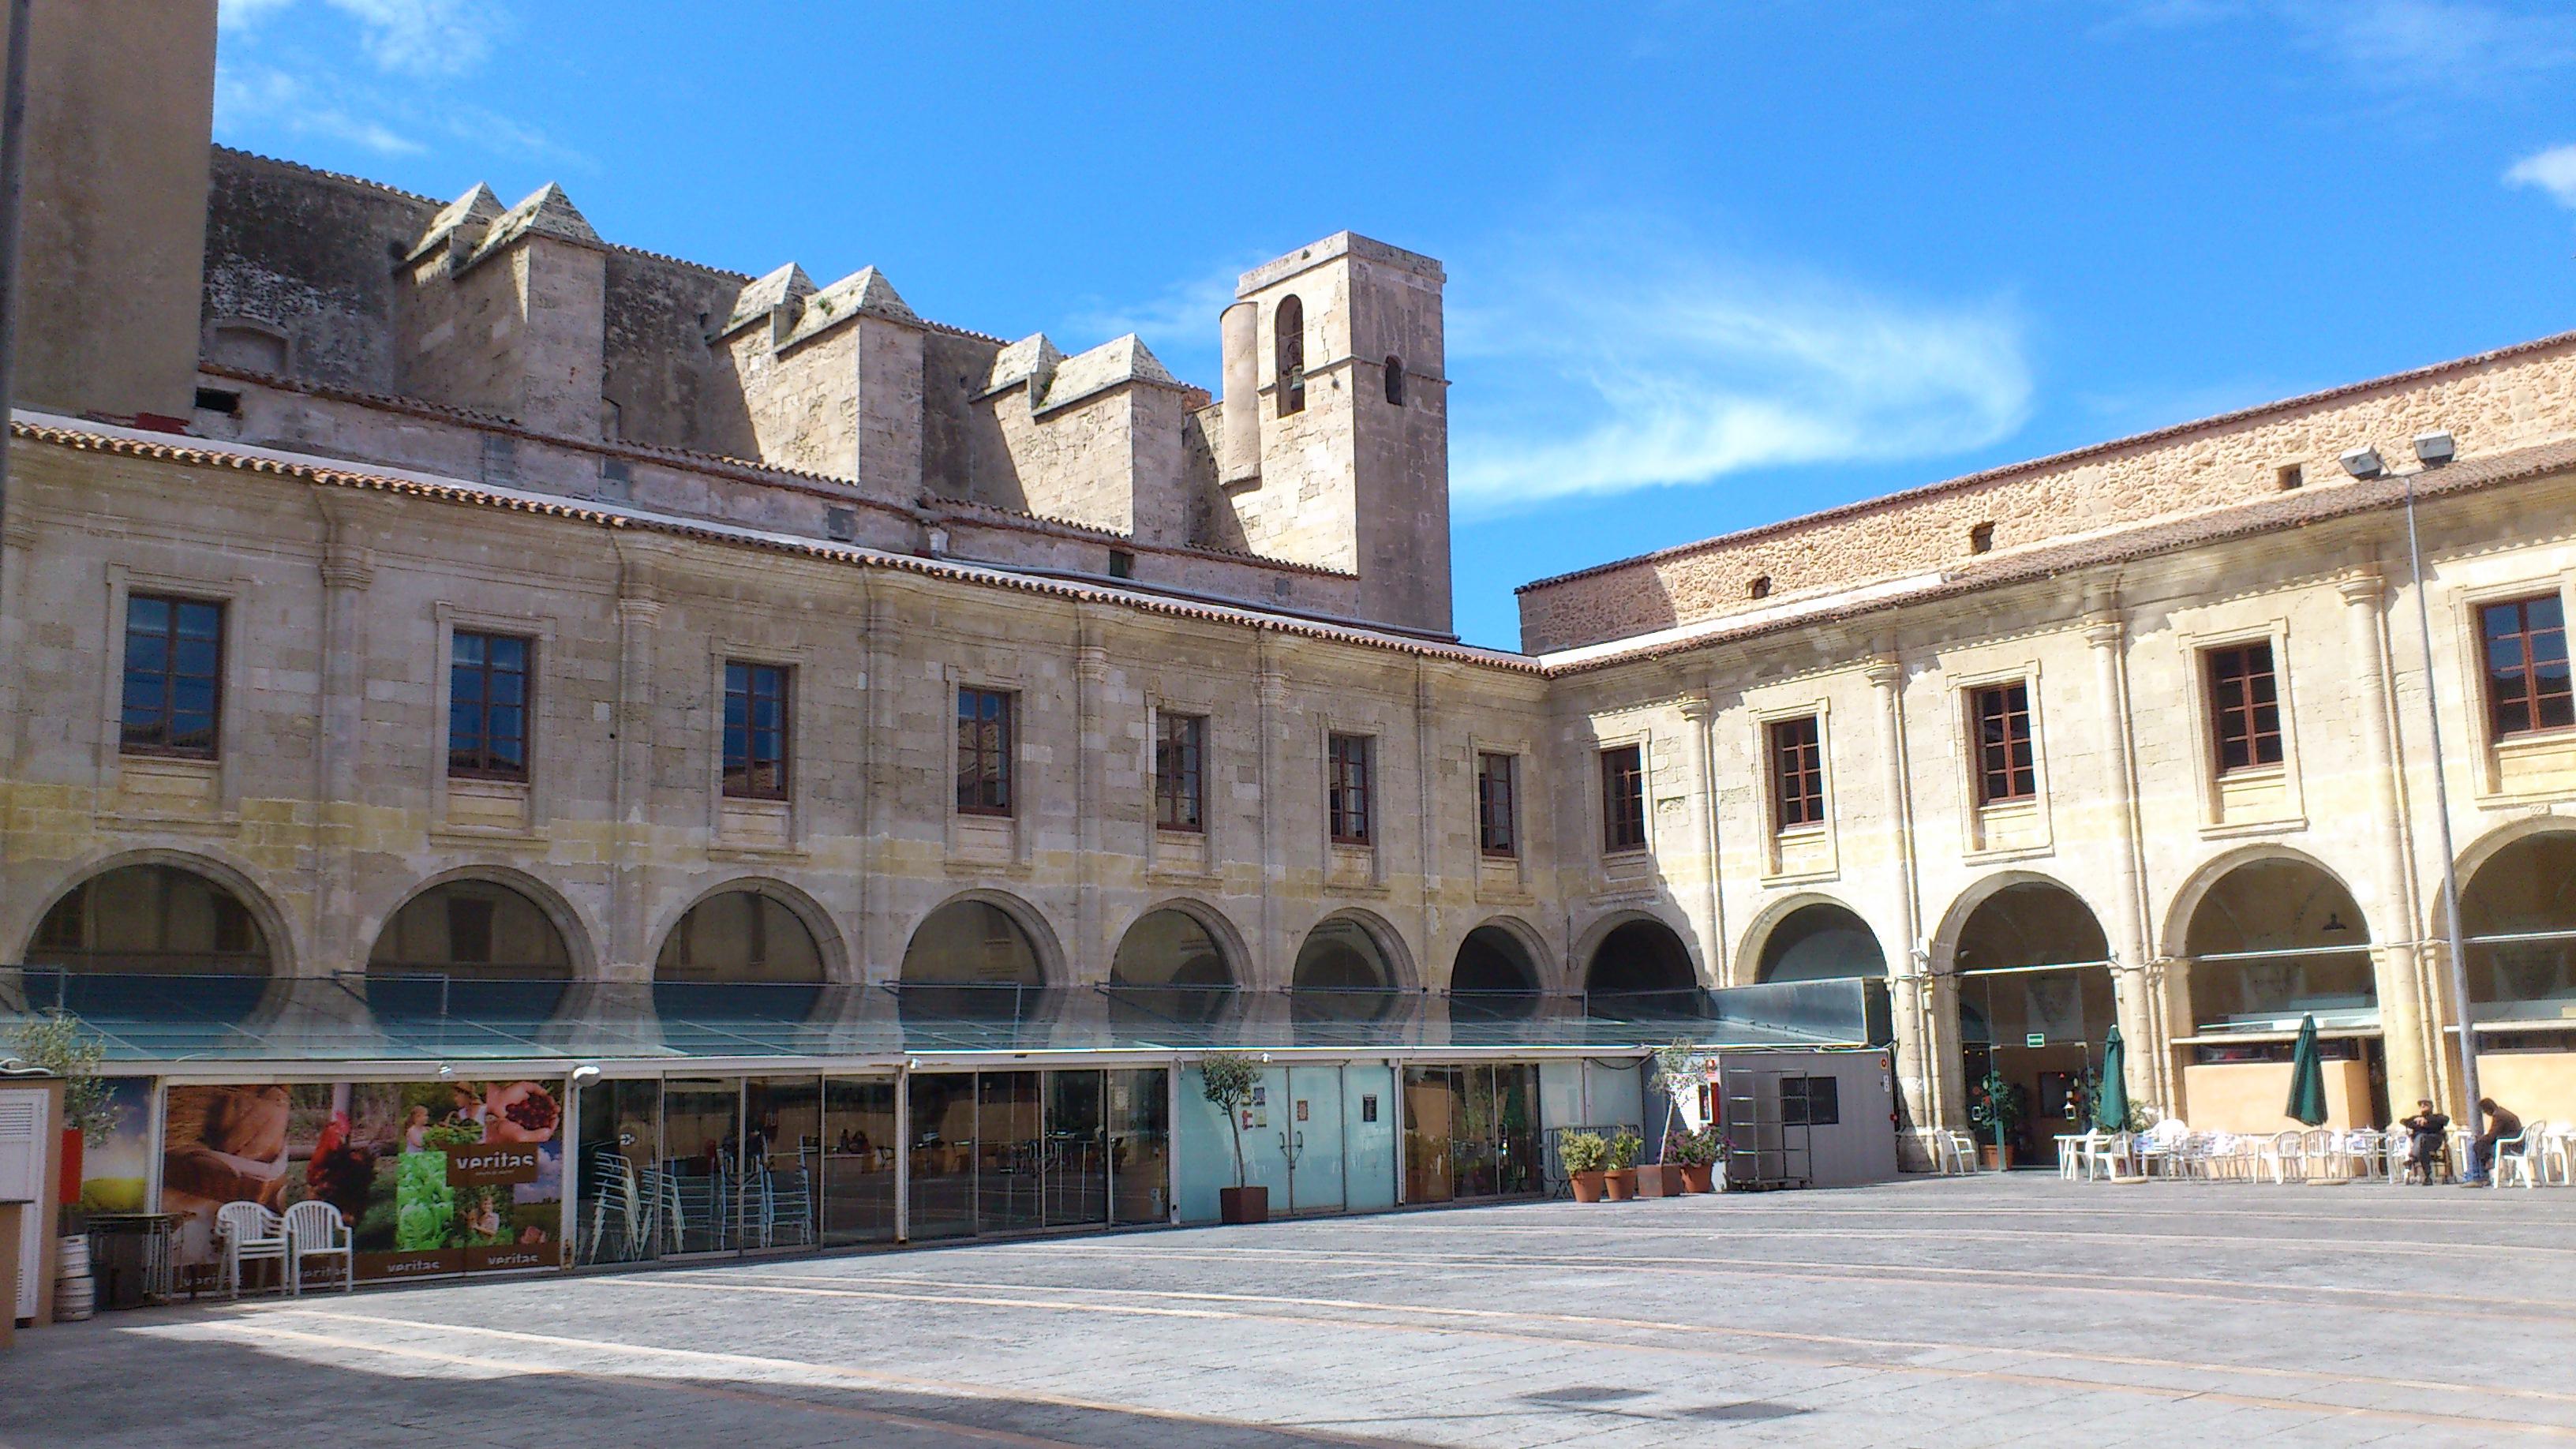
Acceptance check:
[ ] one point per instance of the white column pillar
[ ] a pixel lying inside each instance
(2150, 1054)
(1701, 712)
(2416, 1065)
(1927, 1047)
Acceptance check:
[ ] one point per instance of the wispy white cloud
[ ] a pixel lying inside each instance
(2399, 48)
(258, 97)
(1179, 323)
(1624, 358)
(425, 37)
(2553, 171)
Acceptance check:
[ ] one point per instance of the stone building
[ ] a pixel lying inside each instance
(453, 593)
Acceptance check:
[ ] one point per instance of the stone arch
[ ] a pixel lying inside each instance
(2271, 935)
(389, 954)
(1350, 966)
(2187, 898)
(1826, 936)
(2039, 915)
(1635, 953)
(275, 934)
(829, 955)
(2520, 881)
(946, 959)
(1496, 973)
(1222, 941)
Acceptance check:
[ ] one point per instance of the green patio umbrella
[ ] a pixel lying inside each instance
(2111, 1103)
(2307, 1077)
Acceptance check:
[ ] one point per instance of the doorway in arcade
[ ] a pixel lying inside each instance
(1470, 1131)
(2036, 1006)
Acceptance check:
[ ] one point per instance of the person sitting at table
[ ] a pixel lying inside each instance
(2427, 1132)
(2501, 1124)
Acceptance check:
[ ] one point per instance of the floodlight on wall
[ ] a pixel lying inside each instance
(2435, 448)
(584, 1074)
(2363, 462)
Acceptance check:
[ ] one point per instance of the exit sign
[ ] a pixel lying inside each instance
(2036, 1038)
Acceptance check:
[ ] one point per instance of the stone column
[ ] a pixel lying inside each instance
(879, 955)
(2150, 1054)
(1427, 864)
(17, 555)
(2414, 1057)
(1089, 954)
(1701, 712)
(1926, 1022)
(339, 720)
(1268, 967)
(639, 609)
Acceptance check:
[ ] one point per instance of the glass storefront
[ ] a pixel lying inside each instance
(1470, 1131)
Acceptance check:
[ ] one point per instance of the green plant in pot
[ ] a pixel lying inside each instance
(1228, 1080)
(1698, 1153)
(1997, 1109)
(1584, 1154)
(62, 1044)
(1681, 1070)
(1621, 1182)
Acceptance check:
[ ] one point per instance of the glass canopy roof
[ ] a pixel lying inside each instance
(354, 1017)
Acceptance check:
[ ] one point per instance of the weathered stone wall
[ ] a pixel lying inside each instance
(2489, 404)
(666, 381)
(313, 257)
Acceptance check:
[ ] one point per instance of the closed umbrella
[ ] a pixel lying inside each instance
(2111, 1104)
(2307, 1077)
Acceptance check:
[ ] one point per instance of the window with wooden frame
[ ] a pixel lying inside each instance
(984, 751)
(174, 677)
(755, 730)
(488, 700)
(2006, 768)
(2244, 707)
(1497, 804)
(1797, 773)
(1180, 780)
(2525, 642)
(1288, 354)
(1623, 798)
(1347, 788)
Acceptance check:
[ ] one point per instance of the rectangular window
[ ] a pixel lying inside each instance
(1180, 781)
(1347, 788)
(1810, 1102)
(2005, 768)
(487, 706)
(1797, 773)
(755, 731)
(1497, 804)
(2527, 681)
(1623, 798)
(984, 751)
(2244, 707)
(174, 668)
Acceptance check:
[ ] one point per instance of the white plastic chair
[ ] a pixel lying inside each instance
(250, 1234)
(2073, 1150)
(1955, 1152)
(316, 1229)
(2558, 1156)
(2513, 1156)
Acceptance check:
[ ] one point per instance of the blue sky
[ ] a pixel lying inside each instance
(1708, 265)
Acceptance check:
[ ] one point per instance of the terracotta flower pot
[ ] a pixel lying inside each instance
(1993, 1158)
(1587, 1185)
(1659, 1179)
(1243, 1204)
(1620, 1185)
(1699, 1177)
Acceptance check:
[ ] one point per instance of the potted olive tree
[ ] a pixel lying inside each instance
(1227, 1079)
(1583, 1153)
(1622, 1182)
(60, 1043)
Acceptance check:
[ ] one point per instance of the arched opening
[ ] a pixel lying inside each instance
(1288, 354)
(738, 953)
(146, 939)
(971, 958)
(2036, 1006)
(2518, 915)
(1820, 941)
(1343, 974)
(2274, 940)
(1493, 978)
(1641, 968)
(1395, 382)
(472, 948)
(1169, 969)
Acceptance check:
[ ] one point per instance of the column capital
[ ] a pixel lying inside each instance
(2362, 588)
(643, 612)
(1884, 672)
(2104, 631)
(1697, 708)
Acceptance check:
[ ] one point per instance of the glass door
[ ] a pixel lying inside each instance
(1517, 1129)
(1311, 1135)
(941, 1140)
(700, 1170)
(1430, 1098)
(860, 1138)
(779, 1200)
(1008, 1149)
(1474, 1166)
(1140, 1145)
(1076, 1161)
(617, 1207)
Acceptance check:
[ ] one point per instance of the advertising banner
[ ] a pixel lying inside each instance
(434, 1178)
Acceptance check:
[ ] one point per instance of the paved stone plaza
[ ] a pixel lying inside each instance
(1937, 1312)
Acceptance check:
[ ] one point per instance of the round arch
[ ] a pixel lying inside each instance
(1814, 938)
(2522, 885)
(751, 928)
(509, 926)
(1496, 972)
(1350, 967)
(103, 910)
(2272, 936)
(1179, 942)
(982, 938)
(1636, 954)
(2019, 919)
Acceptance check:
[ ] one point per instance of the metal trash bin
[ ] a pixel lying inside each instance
(130, 1255)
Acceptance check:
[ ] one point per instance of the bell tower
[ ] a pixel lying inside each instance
(1335, 435)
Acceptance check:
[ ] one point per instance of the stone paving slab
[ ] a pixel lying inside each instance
(1939, 1312)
